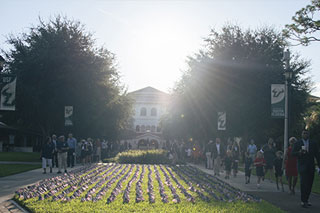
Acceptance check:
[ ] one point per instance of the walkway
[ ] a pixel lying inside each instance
(269, 192)
(10, 184)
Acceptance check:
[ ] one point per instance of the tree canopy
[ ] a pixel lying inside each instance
(58, 64)
(234, 74)
(306, 24)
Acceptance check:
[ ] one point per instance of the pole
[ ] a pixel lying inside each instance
(286, 118)
(286, 57)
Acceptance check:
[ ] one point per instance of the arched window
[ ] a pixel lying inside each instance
(148, 128)
(143, 128)
(153, 128)
(137, 128)
(153, 112)
(143, 111)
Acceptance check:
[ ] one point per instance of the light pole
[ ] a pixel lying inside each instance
(288, 77)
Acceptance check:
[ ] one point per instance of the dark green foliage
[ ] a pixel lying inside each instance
(57, 65)
(142, 157)
(234, 74)
(305, 27)
(312, 120)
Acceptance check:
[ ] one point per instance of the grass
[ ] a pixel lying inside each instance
(315, 186)
(11, 169)
(20, 156)
(75, 205)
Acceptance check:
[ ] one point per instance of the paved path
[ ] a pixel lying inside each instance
(269, 192)
(10, 184)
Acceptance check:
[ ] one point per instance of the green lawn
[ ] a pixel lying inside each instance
(20, 156)
(315, 186)
(11, 169)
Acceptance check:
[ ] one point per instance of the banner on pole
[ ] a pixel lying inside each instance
(222, 120)
(277, 100)
(8, 92)
(68, 115)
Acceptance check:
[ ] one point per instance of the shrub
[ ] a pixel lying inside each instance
(141, 157)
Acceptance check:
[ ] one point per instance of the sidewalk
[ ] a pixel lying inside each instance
(268, 192)
(9, 184)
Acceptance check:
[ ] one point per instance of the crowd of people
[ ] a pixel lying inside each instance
(269, 162)
(61, 152)
(266, 159)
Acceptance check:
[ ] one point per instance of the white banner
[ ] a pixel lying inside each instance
(8, 92)
(277, 100)
(68, 114)
(222, 120)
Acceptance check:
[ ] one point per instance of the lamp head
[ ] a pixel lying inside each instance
(286, 55)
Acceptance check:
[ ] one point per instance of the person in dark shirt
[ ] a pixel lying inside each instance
(248, 163)
(228, 163)
(47, 154)
(278, 168)
(269, 155)
(62, 148)
(306, 152)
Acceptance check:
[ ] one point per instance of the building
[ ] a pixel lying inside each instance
(149, 106)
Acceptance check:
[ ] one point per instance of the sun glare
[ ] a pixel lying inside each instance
(161, 50)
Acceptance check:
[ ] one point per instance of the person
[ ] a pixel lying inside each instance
(247, 167)
(55, 153)
(229, 144)
(291, 166)
(47, 154)
(62, 147)
(84, 151)
(218, 154)
(89, 151)
(278, 168)
(208, 150)
(306, 151)
(72, 143)
(269, 155)
(98, 150)
(227, 163)
(189, 153)
(252, 149)
(235, 156)
(259, 163)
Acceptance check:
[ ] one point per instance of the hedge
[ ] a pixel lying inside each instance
(158, 156)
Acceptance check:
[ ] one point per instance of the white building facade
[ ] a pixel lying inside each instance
(149, 106)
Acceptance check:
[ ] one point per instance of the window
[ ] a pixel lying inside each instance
(158, 129)
(153, 128)
(143, 111)
(143, 128)
(148, 128)
(153, 112)
(137, 128)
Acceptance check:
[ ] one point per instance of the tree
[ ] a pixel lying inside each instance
(57, 64)
(312, 120)
(305, 27)
(234, 74)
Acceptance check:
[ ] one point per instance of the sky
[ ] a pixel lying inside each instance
(152, 39)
